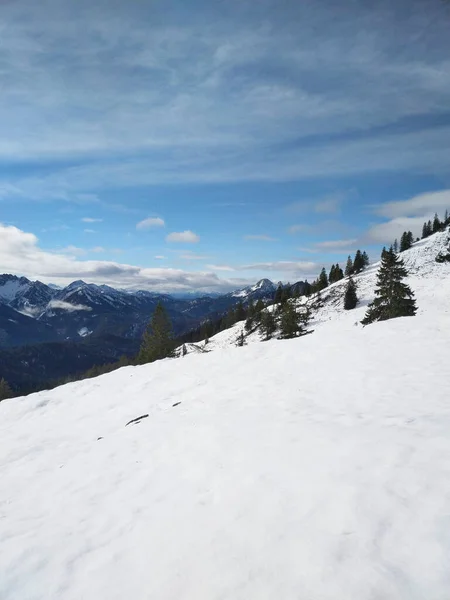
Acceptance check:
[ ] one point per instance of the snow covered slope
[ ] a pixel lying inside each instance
(315, 468)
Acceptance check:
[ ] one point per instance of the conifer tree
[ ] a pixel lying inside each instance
(307, 289)
(5, 390)
(331, 276)
(446, 218)
(366, 259)
(350, 296)
(268, 325)
(241, 340)
(393, 297)
(157, 341)
(349, 267)
(358, 262)
(290, 321)
(436, 224)
(395, 245)
(286, 293)
(239, 313)
(278, 294)
(183, 350)
(424, 231)
(323, 279)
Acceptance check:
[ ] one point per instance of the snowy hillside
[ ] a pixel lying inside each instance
(315, 468)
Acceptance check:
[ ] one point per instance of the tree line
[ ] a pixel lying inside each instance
(429, 228)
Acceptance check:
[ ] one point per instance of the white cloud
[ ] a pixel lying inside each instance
(192, 256)
(150, 223)
(91, 220)
(423, 205)
(183, 236)
(220, 268)
(74, 251)
(160, 257)
(20, 254)
(61, 305)
(98, 249)
(89, 231)
(407, 215)
(386, 233)
(261, 238)
(283, 265)
(336, 244)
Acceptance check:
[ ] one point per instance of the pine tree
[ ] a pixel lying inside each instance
(406, 241)
(366, 259)
(358, 262)
(239, 313)
(393, 297)
(410, 238)
(436, 224)
(290, 321)
(446, 218)
(424, 231)
(5, 390)
(157, 341)
(350, 296)
(268, 325)
(395, 246)
(323, 279)
(331, 276)
(278, 294)
(430, 227)
(241, 340)
(286, 293)
(338, 273)
(349, 267)
(183, 350)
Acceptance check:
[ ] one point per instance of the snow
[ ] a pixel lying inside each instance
(314, 468)
(11, 288)
(84, 332)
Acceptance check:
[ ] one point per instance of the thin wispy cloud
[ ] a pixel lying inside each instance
(150, 223)
(91, 220)
(188, 237)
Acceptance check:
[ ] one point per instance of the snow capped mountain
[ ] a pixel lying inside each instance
(11, 286)
(317, 467)
(262, 289)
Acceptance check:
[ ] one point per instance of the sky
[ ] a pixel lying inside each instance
(177, 146)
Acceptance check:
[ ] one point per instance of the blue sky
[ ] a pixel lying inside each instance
(204, 145)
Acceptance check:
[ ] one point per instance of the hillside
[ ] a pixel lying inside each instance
(314, 468)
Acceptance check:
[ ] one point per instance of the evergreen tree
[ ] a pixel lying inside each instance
(307, 289)
(290, 322)
(259, 307)
(395, 246)
(424, 231)
(430, 227)
(406, 241)
(350, 296)
(331, 276)
(410, 238)
(286, 293)
(183, 350)
(366, 259)
(278, 294)
(157, 341)
(349, 267)
(338, 273)
(241, 340)
(239, 313)
(5, 390)
(358, 262)
(268, 325)
(323, 279)
(393, 297)
(436, 224)
(446, 218)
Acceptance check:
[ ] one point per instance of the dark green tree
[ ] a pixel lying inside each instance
(406, 241)
(395, 245)
(239, 313)
(331, 276)
(425, 231)
(5, 390)
(157, 341)
(446, 218)
(349, 267)
(289, 322)
(393, 298)
(268, 325)
(358, 262)
(350, 296)
(436, 224)
(366, 259)
(241, 340)
(323, 279)
(338, 273)
(278, 294)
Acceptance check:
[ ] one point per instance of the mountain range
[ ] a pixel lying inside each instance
(47, 332)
